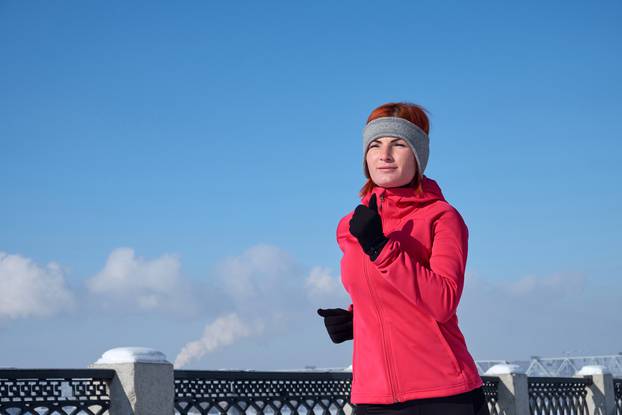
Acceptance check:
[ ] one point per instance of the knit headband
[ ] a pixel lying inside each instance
(416, 138)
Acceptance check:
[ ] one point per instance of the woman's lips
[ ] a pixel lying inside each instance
(387, 168)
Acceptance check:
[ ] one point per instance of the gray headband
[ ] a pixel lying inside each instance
(416, 138)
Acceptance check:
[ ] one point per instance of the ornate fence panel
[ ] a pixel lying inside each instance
(558, 396)
(55, 391)
(257, 393)
(241, 392)
(617, 388)
(490, 391)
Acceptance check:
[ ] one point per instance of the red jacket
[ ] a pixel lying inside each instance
(407, 344)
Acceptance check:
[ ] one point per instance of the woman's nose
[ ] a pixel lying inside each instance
(385, 155)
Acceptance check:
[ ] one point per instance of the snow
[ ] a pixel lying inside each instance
(592, 370)
(503, 369)
(132, 355)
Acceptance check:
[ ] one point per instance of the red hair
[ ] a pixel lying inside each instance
(414, 113)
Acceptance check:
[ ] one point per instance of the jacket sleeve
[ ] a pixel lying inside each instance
(341, 235)
(435, 289)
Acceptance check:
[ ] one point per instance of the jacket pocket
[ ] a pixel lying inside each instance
(447, 347)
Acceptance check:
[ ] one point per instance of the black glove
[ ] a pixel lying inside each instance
(338, 323)
(366, 226)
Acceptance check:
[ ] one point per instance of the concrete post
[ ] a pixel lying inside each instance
(144, 381)
(512, 391)
(601, 395)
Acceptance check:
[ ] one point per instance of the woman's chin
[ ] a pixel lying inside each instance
(390, 183)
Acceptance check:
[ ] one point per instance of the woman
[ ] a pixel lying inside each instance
(404, 253)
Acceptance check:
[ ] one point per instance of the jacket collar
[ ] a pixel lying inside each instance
(400, 196)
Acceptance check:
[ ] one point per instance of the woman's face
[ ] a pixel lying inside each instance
(391, 162)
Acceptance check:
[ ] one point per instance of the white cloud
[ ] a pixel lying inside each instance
(29, 290)
(557, 284)
(224, 331)
(267, 281)
(261, 274)
(155, 284)
(268, 275)
(321, 284)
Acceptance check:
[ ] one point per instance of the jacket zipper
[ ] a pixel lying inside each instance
(384, 342)
(376, 305)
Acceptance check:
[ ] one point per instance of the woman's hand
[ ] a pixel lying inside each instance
(338, 323)
(366, 226)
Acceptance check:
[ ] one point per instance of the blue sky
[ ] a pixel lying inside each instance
(162, 154)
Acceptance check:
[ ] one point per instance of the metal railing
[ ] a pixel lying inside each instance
(491, 385)
(555, 396)
(55, 391)
(87, 392)
(243, 392)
